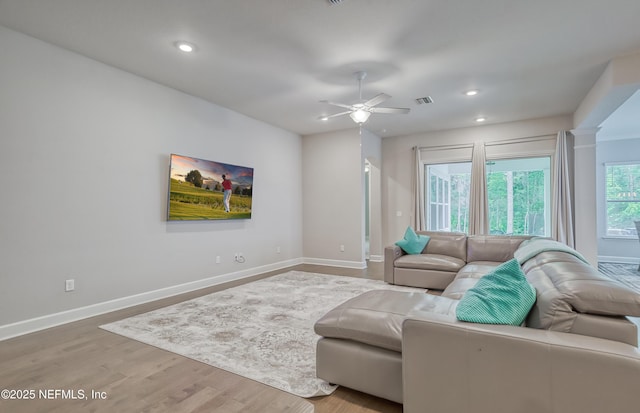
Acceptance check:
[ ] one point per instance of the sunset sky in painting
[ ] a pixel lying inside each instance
(210, 170)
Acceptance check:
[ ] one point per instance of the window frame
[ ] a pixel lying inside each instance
(510, 156)
(607, 165)
(548, 189)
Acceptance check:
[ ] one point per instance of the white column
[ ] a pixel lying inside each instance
(585, 223)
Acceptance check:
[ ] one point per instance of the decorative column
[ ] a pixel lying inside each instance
(585, 219)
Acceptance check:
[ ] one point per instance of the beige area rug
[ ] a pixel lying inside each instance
(262, 330)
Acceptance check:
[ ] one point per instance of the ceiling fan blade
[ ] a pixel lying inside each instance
(334, 115)
(391, 111)
(342, 105)
(376, 100)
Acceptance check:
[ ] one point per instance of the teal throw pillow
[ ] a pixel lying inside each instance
(501, 297)
(412, 242)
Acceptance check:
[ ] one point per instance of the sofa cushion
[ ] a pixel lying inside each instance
(501, 297)
(459, 287)
(498, 248)
(430, 262)
(453, 244)
(467, 277)
(566, 284)
(412, 243)
(477, 269)
(375, 317)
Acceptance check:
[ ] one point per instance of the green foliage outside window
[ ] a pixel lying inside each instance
(527, 198)
(623, 199)
(517, 193)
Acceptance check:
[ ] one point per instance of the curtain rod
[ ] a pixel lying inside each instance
(490, 143)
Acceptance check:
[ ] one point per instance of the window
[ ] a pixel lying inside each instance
(623, 199)
(447, 193)
(519, 196)
(518, 192)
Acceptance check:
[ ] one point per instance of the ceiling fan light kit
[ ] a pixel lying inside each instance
(361, 110)
(360, 116)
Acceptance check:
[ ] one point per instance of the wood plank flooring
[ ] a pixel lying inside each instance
(118, 374)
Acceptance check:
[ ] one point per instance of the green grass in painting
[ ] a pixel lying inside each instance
(187, 202)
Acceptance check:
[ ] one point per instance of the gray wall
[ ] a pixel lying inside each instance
(84, 164)
(333, 188)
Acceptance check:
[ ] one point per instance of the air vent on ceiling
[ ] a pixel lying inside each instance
(426, 99)
(335, 1)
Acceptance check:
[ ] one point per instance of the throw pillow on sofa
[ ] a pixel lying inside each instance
(504, 296)
(412, 242)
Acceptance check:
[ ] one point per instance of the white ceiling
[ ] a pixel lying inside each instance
(274, 60)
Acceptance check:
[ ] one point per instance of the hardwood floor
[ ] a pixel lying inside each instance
(78, 367)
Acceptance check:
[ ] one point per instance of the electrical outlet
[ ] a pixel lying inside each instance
(341, 248)
(278, 250)
(217, 259)
(69, 285)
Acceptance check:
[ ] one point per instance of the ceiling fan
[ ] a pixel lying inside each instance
(361, 110)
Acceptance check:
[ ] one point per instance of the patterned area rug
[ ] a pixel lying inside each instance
(627, 274)
(262, 330)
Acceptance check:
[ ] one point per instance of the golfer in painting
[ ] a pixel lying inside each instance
(226, 185)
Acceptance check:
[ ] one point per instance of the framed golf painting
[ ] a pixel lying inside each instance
(208, 190)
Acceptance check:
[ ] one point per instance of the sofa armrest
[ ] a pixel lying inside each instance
(390, 254)
(453, 366)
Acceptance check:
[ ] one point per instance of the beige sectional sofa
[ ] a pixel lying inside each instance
(446, 254)
(576, 352)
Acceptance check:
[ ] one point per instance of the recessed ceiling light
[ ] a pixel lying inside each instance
(472, 92)
(480, 119)
(185, 46)
(324, 118)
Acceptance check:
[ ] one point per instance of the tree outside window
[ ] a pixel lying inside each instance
(623, 199)
(519, 196)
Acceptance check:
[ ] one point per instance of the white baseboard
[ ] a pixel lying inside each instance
(376, 258)
(621, 260)
(336, 263)
(40, 323)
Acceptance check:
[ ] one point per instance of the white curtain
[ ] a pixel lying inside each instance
(562, 209)
(478, 205)
(419, 221)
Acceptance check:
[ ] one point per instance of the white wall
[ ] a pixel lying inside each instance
(84, 163)
(397, 162)
(614, 249)
(333, 198)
